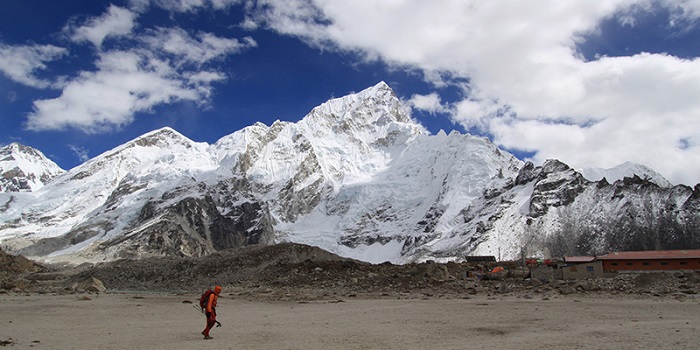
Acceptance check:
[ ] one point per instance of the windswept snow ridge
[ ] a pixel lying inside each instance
(624, 170)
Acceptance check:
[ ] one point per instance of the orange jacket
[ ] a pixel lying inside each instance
(213, 298)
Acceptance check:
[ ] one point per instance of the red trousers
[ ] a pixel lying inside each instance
(211, 321)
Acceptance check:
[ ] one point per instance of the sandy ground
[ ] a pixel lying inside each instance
(149, 321)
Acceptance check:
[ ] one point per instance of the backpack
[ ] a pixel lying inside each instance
(204, 299)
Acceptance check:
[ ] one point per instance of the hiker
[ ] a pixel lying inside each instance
(210, 311)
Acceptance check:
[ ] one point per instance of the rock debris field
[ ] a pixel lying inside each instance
(298, 272)
(291, 296)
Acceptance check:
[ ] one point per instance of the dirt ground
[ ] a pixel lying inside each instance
(291, 296)
(166, 321)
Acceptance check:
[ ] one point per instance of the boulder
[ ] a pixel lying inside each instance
(90, 285)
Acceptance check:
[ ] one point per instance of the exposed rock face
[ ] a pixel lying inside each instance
(190, 227)
(692, 204)
(527, 173)
(556, 185)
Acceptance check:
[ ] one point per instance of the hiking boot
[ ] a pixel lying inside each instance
(206, 337)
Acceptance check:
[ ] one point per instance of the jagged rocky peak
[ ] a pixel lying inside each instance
(693, 201)
(527, 173)
(15, 148)
(25, 169)
(554, 165)
(557, 185)
(376, 106)
(371, 117)
(636, 181)
(552, 168)
(162, 137)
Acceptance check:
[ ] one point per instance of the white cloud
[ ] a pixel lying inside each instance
(527, 84)
(684, 11)
(165, 68)
(430, 103)
(205, 77)
(152, 67)
(125, 83)
(189, 50)
(80, 152)
(476, 113)
(194, 5)
(139, 6)
(117, 21)
(22, 63)
(202, 82)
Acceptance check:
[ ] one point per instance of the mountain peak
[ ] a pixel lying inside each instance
(626, 169)
(377, 105)
(16, 147)
(381, 86)
(25, 169)
(164, 131)
(162, 137)
(380, 89)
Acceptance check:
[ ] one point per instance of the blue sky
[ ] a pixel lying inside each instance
(593, 84)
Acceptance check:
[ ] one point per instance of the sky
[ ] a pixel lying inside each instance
(591, 83)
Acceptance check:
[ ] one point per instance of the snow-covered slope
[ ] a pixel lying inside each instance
(626, 169)
(98, 199)
(356, 176)
(413, 207)
(25, 169)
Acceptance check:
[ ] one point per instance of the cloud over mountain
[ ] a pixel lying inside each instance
(590, 83)
(524, 79)
(158, 66)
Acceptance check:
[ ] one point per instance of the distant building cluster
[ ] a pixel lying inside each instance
(608, 265)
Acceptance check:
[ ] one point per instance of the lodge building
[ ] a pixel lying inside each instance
(653, 260)
(576, 267)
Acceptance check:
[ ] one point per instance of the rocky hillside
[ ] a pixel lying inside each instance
(592, 218)
(13, 268)
(295, 272)
(14, 264)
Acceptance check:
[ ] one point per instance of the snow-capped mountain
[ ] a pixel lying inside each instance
(356, 176)
(25, 169)
(626, 169)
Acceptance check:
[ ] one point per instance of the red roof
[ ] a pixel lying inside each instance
(578, 259)
(653, 254)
